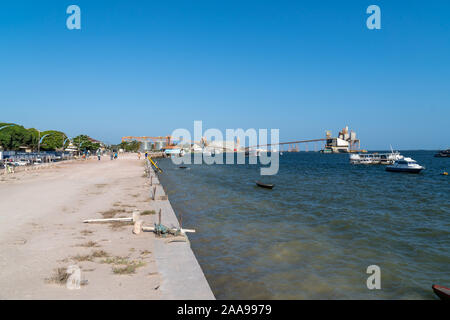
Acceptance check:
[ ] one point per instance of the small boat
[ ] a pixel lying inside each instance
(405, 165)
(443, 154)
(264, 185)
(442, 292)
(182, 167)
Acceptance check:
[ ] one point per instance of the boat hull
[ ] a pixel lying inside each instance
(405, 170)
(442, 292)
(263, 185)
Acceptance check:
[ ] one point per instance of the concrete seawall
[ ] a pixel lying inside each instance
(182, 276)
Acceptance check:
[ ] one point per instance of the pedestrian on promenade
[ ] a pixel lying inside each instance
(99, 154)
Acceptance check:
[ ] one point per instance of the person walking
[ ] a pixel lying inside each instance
(99, 154)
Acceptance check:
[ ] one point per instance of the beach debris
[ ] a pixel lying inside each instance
(162, 230)
(130, 219)
(133, 218)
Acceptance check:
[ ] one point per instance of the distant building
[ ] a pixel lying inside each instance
(345, 142)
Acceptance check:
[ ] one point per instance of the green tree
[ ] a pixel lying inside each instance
(12, 138)
(84, 143)
(53, 141)
(132, 146)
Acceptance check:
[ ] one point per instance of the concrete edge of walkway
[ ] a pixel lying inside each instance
(182, 276)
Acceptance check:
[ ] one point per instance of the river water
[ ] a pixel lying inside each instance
(314, 235)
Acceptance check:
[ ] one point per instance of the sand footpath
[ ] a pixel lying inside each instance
(41, 233)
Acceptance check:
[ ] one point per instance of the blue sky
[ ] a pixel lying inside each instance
(149, 67)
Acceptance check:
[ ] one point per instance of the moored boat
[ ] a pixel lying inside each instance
(375, 158)
(264, 185)
(442, 292)
(405, 165)
(443, 154)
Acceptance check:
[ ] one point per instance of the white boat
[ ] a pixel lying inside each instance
(405, 165)
(375, 158)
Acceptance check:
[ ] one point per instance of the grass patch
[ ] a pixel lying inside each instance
(82, 257)
(147, 212)
(86, 232)
(89, 244)
(99, 254)
(116, 260)
(111, 213)
(119, 225)
(128, 269)
(90, 257)
(59, 276)
(122, 265)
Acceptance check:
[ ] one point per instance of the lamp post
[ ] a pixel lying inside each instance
(40, 140)
(64, 142)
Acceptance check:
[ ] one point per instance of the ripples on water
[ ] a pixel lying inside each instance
(314, 235)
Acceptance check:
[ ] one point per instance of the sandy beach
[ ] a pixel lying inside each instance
(42, 229)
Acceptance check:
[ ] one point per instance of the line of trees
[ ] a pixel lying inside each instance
(12, 138)
(132, 146)
(16, 137)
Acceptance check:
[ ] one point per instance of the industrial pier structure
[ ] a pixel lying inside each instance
(346, 142)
